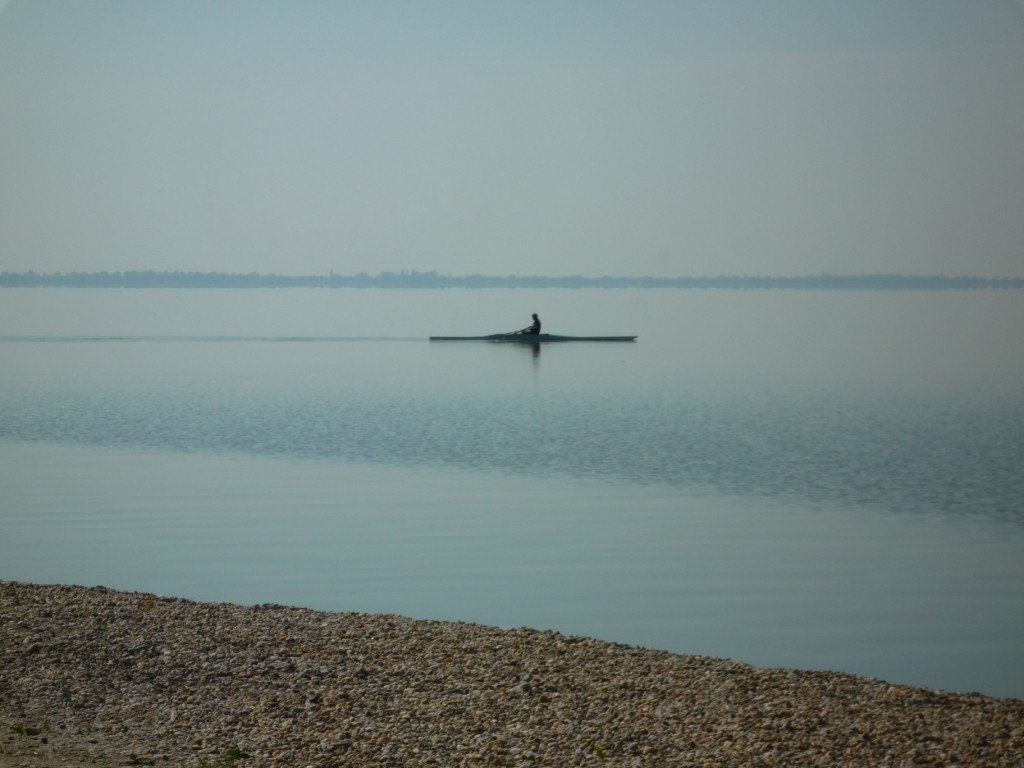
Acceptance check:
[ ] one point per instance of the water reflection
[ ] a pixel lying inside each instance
(784, 407)
(904, 455)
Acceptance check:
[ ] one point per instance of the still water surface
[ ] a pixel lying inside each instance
(817, 480)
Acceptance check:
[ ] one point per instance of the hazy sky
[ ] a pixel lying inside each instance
(538, 137)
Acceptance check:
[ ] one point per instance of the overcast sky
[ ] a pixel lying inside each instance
(696, 137)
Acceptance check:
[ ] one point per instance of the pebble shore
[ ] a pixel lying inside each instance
(95, 677)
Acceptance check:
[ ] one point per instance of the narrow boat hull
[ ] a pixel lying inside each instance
(531, 338)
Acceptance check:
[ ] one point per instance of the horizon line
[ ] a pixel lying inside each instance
(573, 276)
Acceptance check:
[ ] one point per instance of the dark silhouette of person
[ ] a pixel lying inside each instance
(533, 329)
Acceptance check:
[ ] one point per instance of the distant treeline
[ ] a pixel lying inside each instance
(414, 279)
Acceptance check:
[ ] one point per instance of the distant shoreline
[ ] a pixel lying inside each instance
(415, 279)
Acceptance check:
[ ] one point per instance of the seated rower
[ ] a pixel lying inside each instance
(533, 329)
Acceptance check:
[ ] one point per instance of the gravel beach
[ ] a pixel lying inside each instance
(94, 677)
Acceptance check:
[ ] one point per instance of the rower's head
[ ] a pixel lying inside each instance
(534, 315)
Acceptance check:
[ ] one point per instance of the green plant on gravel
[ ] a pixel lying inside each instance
(227, 759)
(598, 751)
(138, 760)
(25, 730)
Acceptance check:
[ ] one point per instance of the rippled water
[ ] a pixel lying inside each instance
(895, 452)
(805, 480)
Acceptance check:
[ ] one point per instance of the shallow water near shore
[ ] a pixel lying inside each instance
(790, 479)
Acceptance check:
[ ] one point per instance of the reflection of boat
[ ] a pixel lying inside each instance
(531, 338)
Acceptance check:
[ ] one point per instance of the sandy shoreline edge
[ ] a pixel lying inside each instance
(93, 677)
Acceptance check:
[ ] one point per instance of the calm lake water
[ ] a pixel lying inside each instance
(822, 480)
